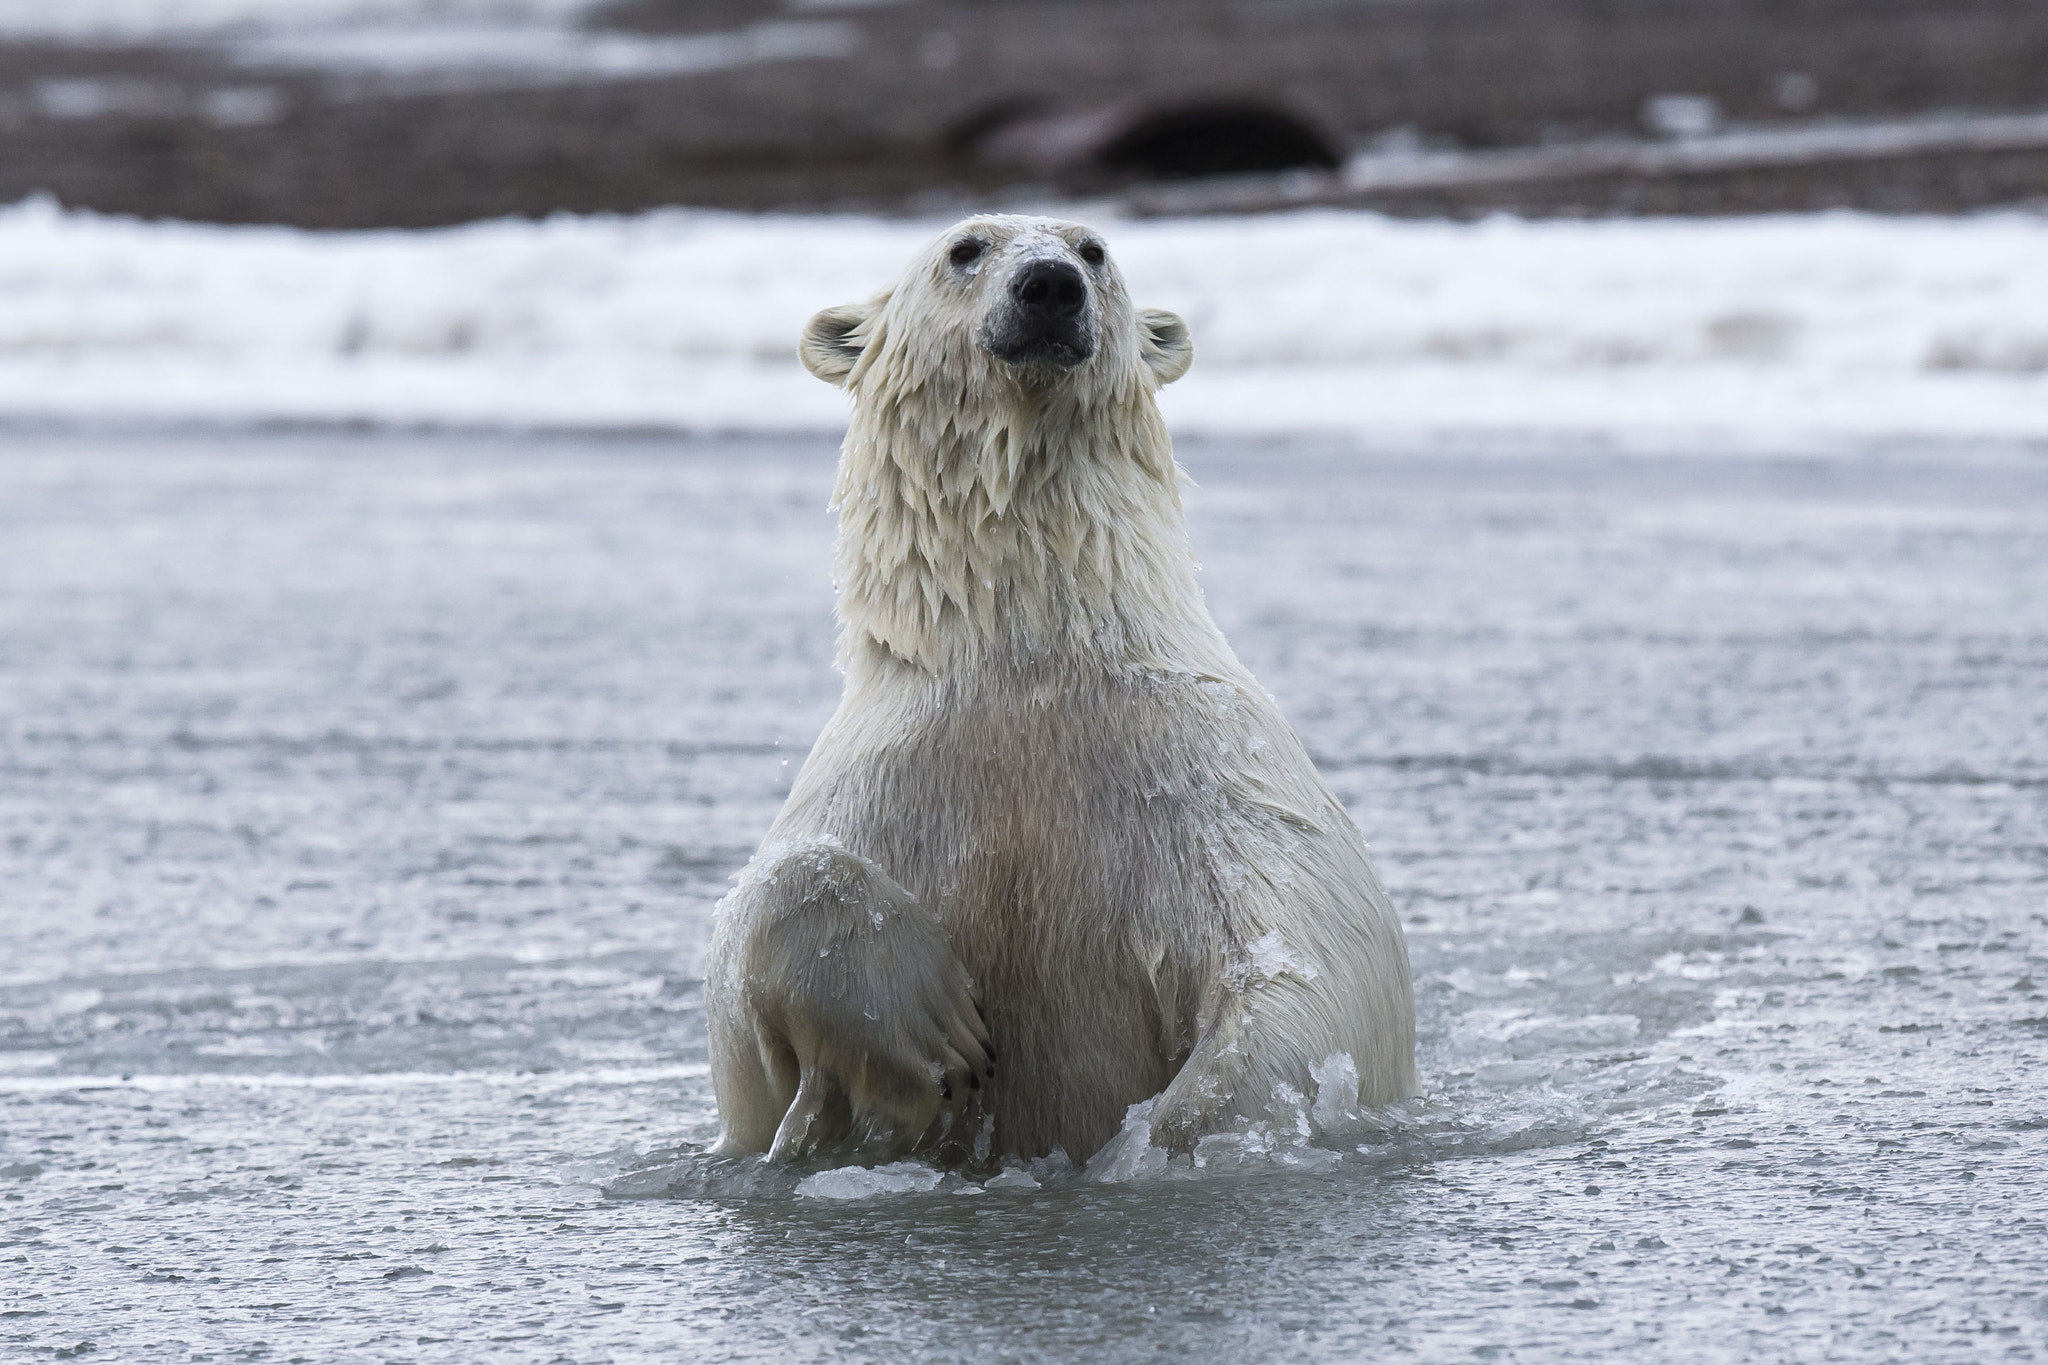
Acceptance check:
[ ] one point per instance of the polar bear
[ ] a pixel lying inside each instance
(1057, 852)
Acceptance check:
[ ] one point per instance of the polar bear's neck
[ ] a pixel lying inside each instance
(1034, 535)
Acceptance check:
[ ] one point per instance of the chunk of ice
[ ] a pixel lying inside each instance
(863, 1182)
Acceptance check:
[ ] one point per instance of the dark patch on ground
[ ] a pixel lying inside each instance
(911, 114)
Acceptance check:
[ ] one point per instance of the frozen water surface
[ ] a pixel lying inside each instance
(364, 799)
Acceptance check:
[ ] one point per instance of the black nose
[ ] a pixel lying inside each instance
(1051, 290)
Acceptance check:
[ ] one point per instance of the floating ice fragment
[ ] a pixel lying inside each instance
(861, 1182)
(1016, 1178)
(1303, 1157)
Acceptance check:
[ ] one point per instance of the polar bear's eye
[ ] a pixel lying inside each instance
(1091, 252)
(966, 251)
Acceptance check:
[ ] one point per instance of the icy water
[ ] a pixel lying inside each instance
(363, 801)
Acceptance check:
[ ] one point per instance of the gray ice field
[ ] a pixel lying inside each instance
(363, 800)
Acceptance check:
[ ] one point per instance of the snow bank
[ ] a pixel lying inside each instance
(1763, 331)
(132, 20)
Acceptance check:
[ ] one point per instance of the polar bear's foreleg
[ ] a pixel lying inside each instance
(838, 1010)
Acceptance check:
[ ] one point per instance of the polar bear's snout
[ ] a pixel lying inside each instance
(1051, 290)
(1045, 318)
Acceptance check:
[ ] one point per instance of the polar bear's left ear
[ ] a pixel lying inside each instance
(833, 340)
(1164, 344)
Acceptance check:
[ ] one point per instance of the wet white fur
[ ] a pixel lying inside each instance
(1050, 784)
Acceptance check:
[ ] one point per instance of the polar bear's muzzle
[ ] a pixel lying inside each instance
(1045, 320)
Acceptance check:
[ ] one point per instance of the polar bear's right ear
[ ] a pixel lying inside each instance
(833, 340)
(1164, 343)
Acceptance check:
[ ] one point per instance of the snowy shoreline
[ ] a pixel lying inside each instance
(1806, 332)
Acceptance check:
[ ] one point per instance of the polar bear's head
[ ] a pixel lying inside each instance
(1007, 482)
(1023, 304)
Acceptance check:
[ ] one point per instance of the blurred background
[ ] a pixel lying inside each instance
(1619, 438)
(369, 113)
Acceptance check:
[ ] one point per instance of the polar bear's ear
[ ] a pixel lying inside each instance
(833, 340)
(1164, 344)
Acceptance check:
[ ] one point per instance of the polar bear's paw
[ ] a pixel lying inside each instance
(864, 1024)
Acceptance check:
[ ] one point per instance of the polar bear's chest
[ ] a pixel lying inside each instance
(1098, 827)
